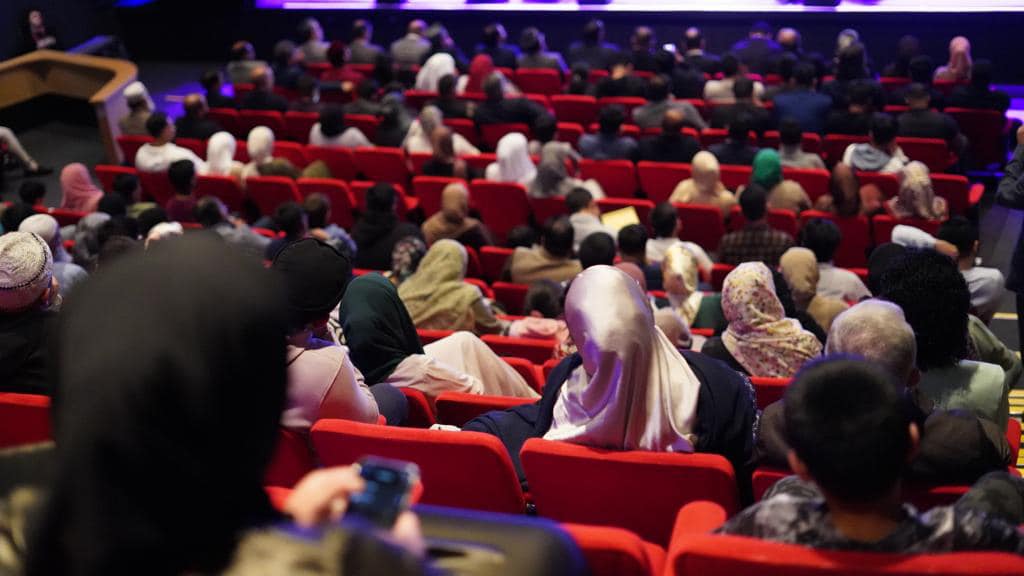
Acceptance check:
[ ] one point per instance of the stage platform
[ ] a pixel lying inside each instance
(712, 6)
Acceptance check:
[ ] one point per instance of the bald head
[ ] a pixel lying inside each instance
(195, 106)
(789, 39)
(877, 331)
(417, 27)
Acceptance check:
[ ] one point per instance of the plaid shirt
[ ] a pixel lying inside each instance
(755, 242)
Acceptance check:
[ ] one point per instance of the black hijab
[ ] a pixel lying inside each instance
(170, 381)
(378, 329)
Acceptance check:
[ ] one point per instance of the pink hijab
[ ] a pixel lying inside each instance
(77, 190)
(959, 66)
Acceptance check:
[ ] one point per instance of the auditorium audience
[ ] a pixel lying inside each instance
(421, 132)
(659, 102)
(822, 237)
(916, 198)
(405, 259)
(513, 161)
(330, 131)
(597, 249)
(395, 120)
(243, 63)
(721, 91)
(36, 34)
(736, 149)
(671, 145)
(760, 339)
(799, 267)
(77, 192)
(608, 143)
(584, 215)
(361, 48)
(680, 275)
(212, 214)
(212, 82)
(453, 222)
(436, 67)
(695, 53)
(632, 242)
(543, 317)
(195, 123)
(66, 273)
(446, 101)
(32, 192)
(535, 52)
(758, 119)
(365, 99)
(704, 186)
(140, 106)
(262, 96)
(985, 284)
(756, 241)
(852, 69)
(686, 81)
(978, 93)
(641, 49)
(496, 109)
(319, 217)
(882, 153)
(262, 162)
(480, 69)
(384, 346)
(493, 44)
(220, 156)
(379, 229)
(855, 119)
(307, 95)
(286, 65)
(553, 178)
(29, 166)
(592, 49)
(791, 152)
(782, 194)
(802, 103)
(907, 48)
(758, 51)
(664, 220)
(549, 260)
(443, 161)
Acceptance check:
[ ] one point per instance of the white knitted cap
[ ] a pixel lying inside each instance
(26, 270)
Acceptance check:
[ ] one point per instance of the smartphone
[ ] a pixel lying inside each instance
(389, 484)
(668, 47)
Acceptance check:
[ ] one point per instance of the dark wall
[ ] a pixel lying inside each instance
(74, 21)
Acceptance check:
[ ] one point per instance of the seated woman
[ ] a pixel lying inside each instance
(514, 163)
(444, 161)
(628, 387)
(384, 346)
(420, 135)
(782, 194)
(704, 186)
(760, 340)
(553, 177)
(405, 259)
(220, 156)
(438, 299)
(799, 267)
(916, 198)
(331, 132)
(394, 121)
(453, 221)
(262, 161)
(379, 229)
(680, 276)
(78, 193)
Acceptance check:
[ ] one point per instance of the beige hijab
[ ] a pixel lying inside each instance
(704, 187)
(435, 296)
(680, 275)
(916, 198)
(634, 391)
(453, 220)
(799, 267)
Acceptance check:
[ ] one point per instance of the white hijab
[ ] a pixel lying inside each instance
(260, 144)
(435, 68)
(418, 139)
(137, 91)
(220, 154)
(514, 163)
(634, 390)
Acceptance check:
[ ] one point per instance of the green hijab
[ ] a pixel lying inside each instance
(767, 169)
(378, 329)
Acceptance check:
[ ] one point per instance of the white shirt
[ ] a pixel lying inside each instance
(584, 225)
(911, 237)
(720, 91)
(152, 158)
(986, 288)
(350, 138)
(840, 283)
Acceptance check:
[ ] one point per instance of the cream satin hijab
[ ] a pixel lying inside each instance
(436, 67)
(634, 390)
(680, 276)
(220, 153)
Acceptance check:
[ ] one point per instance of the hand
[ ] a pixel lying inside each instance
(943, 247)
(1020, 135)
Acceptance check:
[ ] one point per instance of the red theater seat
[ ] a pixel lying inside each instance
(343, 203)
(106, 174)
(532, 349)
(464, 127)
(539, 80)
(933, 152)
(511, 296)
(292, 460)
(268, 192)
(835, 146)
(814, 181)
(768, 390)
(249, 119)
(659, 179)
(569, 132)
(545, 208)
(735, 177)
(502, 205)
(490, 134)
(129, 146)
(628, 103)
(298, 124)
(223, 187)
(616, 177)
(416, 99)
(959, 194)
(293, 152)
(24, 419)
(359, 189)
(339, 161)
(718, 274)
(492, 261)
(530, 372)
(574, 108)
(227, 118)
(984, 130)
(888, 183)
(198, 147)
(157, 186)
(882, 226)
(428, 189)
(616, 552)
(382, 164)
(366, 123)
(701, 225)
(856, 232)
(421, 413)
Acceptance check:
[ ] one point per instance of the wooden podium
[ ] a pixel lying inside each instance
(99, 80)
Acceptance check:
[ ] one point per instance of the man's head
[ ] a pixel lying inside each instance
(381, 197)
(846, 429)
(580, 199)
(633, 242)
(182, 174)
(26, 272)
(361, 30)
(658, 88)
(315, 278)
(596, 249)
(610, 120)
(961, 233)
(127, 185)
(211, 81)
(754, 202)
(286, 53)
(921, 68)
(262, 78)
(860, 96)
(494, 88)
(693, 38)
(789, 39)
(593, 31)
(310, 29)
(850, 62)
(981, 74)
(665, 220)
(159, 128)
(743, 89)
(531, 41)
(494, 35)
(543, 299)
(786, 63)
(931, 291)
(673, 122)
(790, 133)
(291, 219)
(242, 50)
(112, 204)
(195, 106)
(619, 66)
(760, 29)
(822, 237)
(318, 210)
(918, 97)
(804, 74)
(31, 192)
(883, 130)
(739, 129)
(730, 65)
(557, 237)
(15, 214)
(521, 236)
(210, 211)
(877, 331)
(642, 39)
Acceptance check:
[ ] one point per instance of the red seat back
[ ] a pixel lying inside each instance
(106, 174)
(293, 151)
(157, 186)
(955, 189)
(659, 179)
(888, 183)
(428, 189)
(530, 372)
(223, 187)
(545, 208)
(298, 124)
(129, 145)
(836, 144)
(198, 147)
(539, 80)
(784, 220)
(227, 118)
(984, 130)
(249, 119)
(492, 261)
(457, 408)
(892, 83)
(933, 152)
(768, 390)
(628, 103)
(427, 335)
(268, 192)
(701, 225)
(569, 132)
(343, 203)
(856, 233)
(24, 419)
(292, 460)
(718, 274)
(638, 491)
(366, 123)
(502, 205)
(735, 177)
(421, 412)
(814, 181)
(480, 162)
(490, 134)
(339, 161)
(532, 349)
(616, 552)
(574, 108)
(465, 128)
(511, 296)
(617, 177)
(383, 165)
(462, 469)
(360, 187)
(711, 136)
(417, 160)
(416, 99)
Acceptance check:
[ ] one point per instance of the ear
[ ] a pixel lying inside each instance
(797, 466)
(915, 440)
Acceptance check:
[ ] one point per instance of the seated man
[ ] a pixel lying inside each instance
(361, 48)
(849, 442)
(286, 64)
(758, 118)
(592, 50)
(791, 153)
(446, 101)
(671, 145)
(608, 144)
(28, 293)
(195, 123)
(659, 102)
(822, 237)
(365, 102)
(720, 91)
(243, 63)
(213, 215)
(855, 120)
(262, 96)
(584, 215)
(979, 93)
(737, 148)
(492, 43)
(803, 103)
(985, 284)
(632, 241)
(212, 81)
(157, 156)
(920, 121)
(551, 260)
(535, 52)
(620, 80)
(881, 154)
(496, 109)
(756, 241)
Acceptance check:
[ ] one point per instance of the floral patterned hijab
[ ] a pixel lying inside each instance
(759, 336)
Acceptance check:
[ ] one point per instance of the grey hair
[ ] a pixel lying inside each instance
(878, 331)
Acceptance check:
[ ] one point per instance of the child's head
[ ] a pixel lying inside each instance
(847, 430)
(544, 299)
(960, 232)
(665, 220)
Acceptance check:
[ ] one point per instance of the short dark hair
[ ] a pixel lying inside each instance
(114, 248)
(491, 35)
(592, 30)
(381, 197)
(446, 85)
(290, 219)
(658, 88)
(156, 123)
(804, 74)
(577, 199)
(150, 218)
(332, 120)
(692, 38)
(317, 206)
(557, 237)
(917, 91)
(663, 220)
(15, 214)
(633, 240)
(730, 65)
(739, 128)
(545, 128)
(883, 128)
(211, 80)
(743, 87)
(126, 185)
(959, 232)
(521, 236)
(921, 68)
(787, 66)
(754, 202)
(597, 248)
(760, 27)
(544, 296)
(530, 40)
(182, 174)
(610, 119)
(359, 29)
(822, 237)
(934, 297)
(117, 226)
(494, 88)
(981, 73)
(31, 192)
(305, 28)
(112, 204)
(844, 420)
(790, 132)
(208, 211)
(860, 93)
